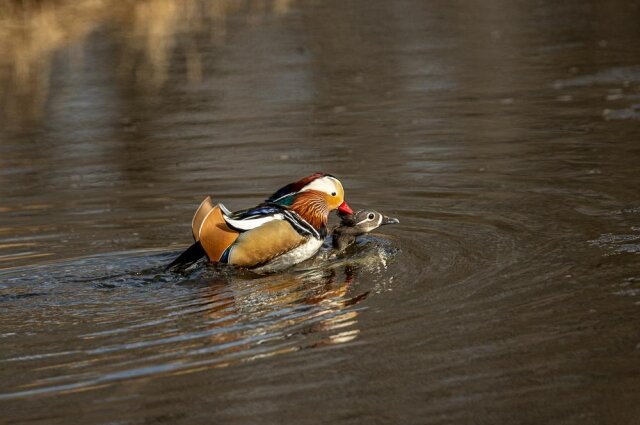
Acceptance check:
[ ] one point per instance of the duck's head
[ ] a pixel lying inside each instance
(364, 221)
(314, 188)
(356, 224)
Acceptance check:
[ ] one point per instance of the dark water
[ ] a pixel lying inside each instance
(504, 135)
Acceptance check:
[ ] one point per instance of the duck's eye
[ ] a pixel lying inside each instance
(333, 194)
(370, 216)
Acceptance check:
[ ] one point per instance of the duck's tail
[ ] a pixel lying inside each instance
(187, 258)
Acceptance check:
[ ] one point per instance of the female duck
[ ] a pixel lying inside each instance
(354, 225)
(287, 228)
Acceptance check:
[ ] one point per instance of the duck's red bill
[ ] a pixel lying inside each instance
(345, 208)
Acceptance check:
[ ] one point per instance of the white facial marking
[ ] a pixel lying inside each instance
(365, 219)
(327, 185)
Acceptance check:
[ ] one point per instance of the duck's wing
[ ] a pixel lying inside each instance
(255, 217)
(220, 229)
(239, 220)
(258, 246)
(211, 233)
(215, 235)
(247, 237)
(201, 213)
(252, 218)
(266, 232)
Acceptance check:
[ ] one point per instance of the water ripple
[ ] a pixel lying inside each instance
(140, 321)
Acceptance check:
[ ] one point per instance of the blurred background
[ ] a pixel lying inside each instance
(503, 134)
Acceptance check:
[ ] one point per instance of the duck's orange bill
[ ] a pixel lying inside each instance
(345, 208)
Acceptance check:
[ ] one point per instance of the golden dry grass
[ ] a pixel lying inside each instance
(32, 32)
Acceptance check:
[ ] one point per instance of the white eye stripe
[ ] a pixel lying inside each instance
(364, 220)
(325, 184)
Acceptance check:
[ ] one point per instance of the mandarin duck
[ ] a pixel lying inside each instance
(353, 225)
(287, 228)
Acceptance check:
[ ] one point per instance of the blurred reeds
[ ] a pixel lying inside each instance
(32, 32)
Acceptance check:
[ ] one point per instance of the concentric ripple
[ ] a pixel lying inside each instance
(503, 136)
(139, 321)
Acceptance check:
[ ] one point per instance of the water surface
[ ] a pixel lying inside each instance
(503, 135)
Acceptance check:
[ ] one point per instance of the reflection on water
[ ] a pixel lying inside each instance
(149, 323)
(152, 32)
(502, 134)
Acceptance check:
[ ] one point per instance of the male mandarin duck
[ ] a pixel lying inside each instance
(286, 229)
